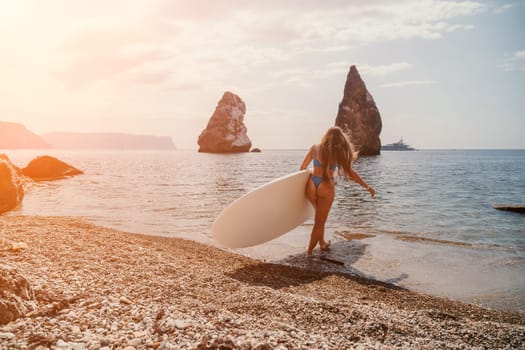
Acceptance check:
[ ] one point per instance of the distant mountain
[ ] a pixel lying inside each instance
(72, 140)
(15, 135)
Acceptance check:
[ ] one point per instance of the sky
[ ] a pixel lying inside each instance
(444, 74)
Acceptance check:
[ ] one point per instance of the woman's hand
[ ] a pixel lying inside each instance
(371, 191)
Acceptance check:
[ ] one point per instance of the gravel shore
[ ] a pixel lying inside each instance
(99, 288)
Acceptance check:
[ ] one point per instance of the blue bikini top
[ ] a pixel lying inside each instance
(318, 163)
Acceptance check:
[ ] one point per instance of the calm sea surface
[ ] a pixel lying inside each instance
(432, 224)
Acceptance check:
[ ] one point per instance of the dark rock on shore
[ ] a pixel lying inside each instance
(16, 295)
(6, 158)
(358, 115)
(13, 179)
(256, 150)
(11, 189)
(49, 168)
(226, 132)
(517, 208)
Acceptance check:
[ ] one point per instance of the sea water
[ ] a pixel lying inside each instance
(430, 228)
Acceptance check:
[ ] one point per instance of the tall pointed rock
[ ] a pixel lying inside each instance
(226, 132)
(358, 115)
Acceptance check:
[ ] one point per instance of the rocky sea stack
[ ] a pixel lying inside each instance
(358, 115)
(226, 132)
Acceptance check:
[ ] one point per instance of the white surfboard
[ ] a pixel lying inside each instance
(265, 213)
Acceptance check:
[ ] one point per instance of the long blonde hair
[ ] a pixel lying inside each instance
(335, 148)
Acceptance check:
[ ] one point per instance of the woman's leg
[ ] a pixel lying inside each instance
(324, 196)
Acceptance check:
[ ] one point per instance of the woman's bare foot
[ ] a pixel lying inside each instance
(326, 246)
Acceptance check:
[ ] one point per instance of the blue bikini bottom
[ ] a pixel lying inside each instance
(317, 180)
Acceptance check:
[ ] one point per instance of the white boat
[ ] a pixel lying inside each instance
(397, 146)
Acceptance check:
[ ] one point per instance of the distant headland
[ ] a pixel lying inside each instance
(74, 140)
(17, 136)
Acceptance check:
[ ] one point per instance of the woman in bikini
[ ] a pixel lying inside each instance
(335, 151)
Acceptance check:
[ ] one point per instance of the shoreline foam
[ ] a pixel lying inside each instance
(99, 287)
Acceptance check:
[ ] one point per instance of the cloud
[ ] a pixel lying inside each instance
(208, 42)
(151, 77)
(188, 86)
(383, 70)
(112, 53)
(408, 83)
(372, 21)
(82, 70)
(308, 78)
(303, 25)
(101, 40)
(519, 55)
(201, 10)
(514, 62)
(503, 8)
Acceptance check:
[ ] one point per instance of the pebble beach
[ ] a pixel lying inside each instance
(99, 288)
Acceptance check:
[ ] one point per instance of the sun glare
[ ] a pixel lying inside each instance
(8, 8)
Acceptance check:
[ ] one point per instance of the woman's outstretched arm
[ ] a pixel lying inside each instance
(355, 176)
